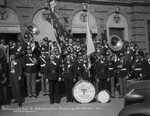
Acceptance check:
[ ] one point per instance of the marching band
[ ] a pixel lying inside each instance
(105, 69)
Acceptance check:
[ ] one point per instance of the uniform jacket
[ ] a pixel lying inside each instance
(111, 68)
(42, 60)
(122, 68)
(85, 73)
(46, 47)
(69, 70)
(20, 51)
(145, 66)
(79, 69)
(101, 70)
(28, 64)
(53, 70)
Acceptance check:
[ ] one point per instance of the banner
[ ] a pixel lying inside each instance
(59, 30)
(90, 44)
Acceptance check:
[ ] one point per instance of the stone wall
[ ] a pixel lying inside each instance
(136, 14)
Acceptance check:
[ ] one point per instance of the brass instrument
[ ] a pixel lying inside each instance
(115, 43)
(30, 30)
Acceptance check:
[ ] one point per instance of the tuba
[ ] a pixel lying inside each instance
(30, 30)
(115, 43)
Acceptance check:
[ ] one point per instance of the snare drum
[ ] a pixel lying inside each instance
(103, 96)
(84, 91)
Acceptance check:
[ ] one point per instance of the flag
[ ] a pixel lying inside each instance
(59, 30)
(53, 4)
(90, 44)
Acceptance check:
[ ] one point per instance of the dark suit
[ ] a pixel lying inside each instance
(69, 76)
(30, 70)
(46, 47)
(85, 73)
(137, 68)
(15, 72)
(42, 60)
(123, 70)
(145, 69)
(79, 69)
(111, 75)
(101, 74)
(52, 73)
(11, 50)
(19, 54)
(20, 51)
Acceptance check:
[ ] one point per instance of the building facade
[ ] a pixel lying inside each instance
(129, 19)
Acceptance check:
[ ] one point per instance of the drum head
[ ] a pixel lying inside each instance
(103, 96)
(84, 91)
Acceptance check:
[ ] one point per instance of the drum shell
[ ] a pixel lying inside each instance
(103, 96)
(84, 91)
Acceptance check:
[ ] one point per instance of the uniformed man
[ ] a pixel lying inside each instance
(78, 47)
(70, 45)
(53, 75)
(92, 68)
(15, 76)
(122, 75)
(29, 64)
(111, 74)
(145, 66)
(85, 73)
(101, 73)
(137, 67)
(69, 77)
(79, 67)
(46, 45)
(55, 47)
(57, 55)
(43, 60)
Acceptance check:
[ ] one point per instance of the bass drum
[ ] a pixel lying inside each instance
(103, 96)
(84, 91)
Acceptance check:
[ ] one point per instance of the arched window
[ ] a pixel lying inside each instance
(117, 25)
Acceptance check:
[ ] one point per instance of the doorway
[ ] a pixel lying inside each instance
(9, 36)
(117, 31)
(82, 37)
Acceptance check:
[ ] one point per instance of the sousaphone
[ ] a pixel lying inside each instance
(30, 30)
(115, 42)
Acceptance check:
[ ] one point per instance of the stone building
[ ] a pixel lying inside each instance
(129, 19)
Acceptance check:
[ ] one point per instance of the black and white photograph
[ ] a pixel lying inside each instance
(74, 57)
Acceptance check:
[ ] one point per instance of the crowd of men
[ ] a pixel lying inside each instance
(68, 63)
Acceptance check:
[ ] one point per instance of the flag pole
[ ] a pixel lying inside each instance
(89, 40)
(88, 28)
